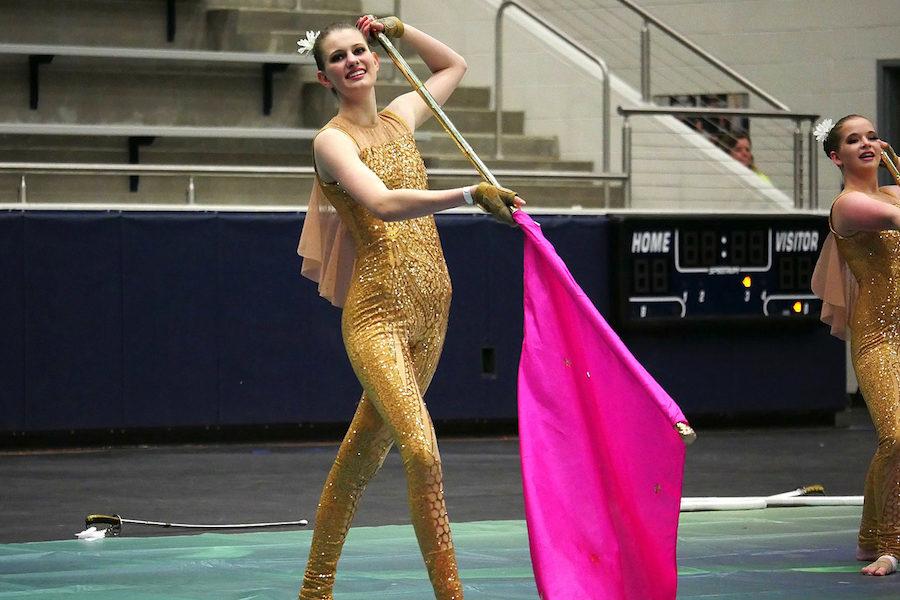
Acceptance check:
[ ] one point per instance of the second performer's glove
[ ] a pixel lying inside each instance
(497, 201)
(393, 27)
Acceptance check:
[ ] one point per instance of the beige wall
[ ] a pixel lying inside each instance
(816, 56)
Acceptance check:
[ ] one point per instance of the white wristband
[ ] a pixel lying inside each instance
(467, 196)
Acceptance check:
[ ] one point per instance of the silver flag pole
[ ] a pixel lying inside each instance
(439, 114)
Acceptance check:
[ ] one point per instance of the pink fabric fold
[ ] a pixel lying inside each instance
(602, 464)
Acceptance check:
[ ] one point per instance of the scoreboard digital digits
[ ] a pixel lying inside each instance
(716, 267)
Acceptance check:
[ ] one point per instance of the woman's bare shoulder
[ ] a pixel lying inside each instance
(891, 190)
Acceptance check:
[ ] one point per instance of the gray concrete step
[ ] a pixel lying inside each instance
(266, 31)
(209, 150)
(518, 146)
(354, 6)
(389, 72)
(319, 104)
(248, 21)
(464, 97)
(456, 161)
(149, 93)
(542, 194)
(258, 4)
(132, 23)
(477, 120)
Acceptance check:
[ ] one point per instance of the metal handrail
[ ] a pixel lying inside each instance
(709, 58)
(688, 111)
(51, 168)
(396, 76)
(190, 171)
(797, 118)
(498, 76)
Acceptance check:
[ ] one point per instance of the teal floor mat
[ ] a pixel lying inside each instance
(791, 553)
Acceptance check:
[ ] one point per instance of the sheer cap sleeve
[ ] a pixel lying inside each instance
(833, 282)
(326, 245)
(327, 248)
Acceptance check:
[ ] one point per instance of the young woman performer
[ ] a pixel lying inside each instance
(865, 220)
(390, 276)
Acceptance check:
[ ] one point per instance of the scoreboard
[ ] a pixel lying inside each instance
(716, 267)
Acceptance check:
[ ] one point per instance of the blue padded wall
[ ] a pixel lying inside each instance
(171, 323)
(750, 369)
(73, 320)
(201, 319)
(281, 354)
(12, 323)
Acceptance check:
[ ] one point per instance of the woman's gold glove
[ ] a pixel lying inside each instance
(393, 27)
(891, 161)
(497, 201)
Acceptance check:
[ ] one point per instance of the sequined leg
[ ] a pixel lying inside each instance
(361, 454)
(391, 382)
(878, 371)
(441, 561)
(889, 499)
(430, 520)
(868, 524)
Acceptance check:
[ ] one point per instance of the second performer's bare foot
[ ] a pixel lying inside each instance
(865, 554)
(885, 565)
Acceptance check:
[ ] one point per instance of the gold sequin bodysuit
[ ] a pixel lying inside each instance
(393, 324)
(874, 259)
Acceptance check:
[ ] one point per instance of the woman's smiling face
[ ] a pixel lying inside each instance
(349, 63)
(859, 147)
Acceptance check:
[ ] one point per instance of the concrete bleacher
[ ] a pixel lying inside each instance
(115, 77)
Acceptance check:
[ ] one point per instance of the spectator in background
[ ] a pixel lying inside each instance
(740, 148)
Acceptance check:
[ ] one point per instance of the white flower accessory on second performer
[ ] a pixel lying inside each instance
(306, 45)
(822, 130)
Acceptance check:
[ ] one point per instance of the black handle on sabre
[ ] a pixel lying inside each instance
(114, 520)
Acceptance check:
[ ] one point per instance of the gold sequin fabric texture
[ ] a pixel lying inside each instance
(393, 324)
(874, 259)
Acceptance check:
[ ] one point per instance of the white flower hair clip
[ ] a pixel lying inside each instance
(306, 45)
(822, 130)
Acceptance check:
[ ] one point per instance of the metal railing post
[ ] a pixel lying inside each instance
(192, 172)
(498, 77)
(23, 191)
(397, 42)
(498, 83)
(645, 61)
(813, 168)
(681, 112)
(626, 160)
(706, 56)
(798, 166)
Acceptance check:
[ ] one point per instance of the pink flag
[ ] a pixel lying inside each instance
(602, 464)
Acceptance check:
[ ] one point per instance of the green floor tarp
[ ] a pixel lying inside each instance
(789, 554)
